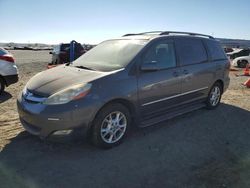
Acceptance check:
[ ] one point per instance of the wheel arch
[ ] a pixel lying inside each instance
(221, 83)
(128, 104)
(241, 60)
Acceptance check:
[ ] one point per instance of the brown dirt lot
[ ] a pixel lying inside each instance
(199, 149)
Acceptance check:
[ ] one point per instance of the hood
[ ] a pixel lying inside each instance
(53, 80)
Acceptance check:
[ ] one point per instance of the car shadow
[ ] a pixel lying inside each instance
(204, 148)
(5, 96)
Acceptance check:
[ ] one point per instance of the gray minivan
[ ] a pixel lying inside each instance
(136, 80)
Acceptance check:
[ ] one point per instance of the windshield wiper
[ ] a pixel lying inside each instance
(83, 67)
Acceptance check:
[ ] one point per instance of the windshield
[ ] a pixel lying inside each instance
(110, 55)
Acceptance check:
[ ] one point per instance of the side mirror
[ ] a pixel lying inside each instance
(150, 66)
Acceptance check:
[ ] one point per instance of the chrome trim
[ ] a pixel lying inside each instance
(53, 119)
(174, 96)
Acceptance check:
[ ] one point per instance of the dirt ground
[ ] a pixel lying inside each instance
(203, 149)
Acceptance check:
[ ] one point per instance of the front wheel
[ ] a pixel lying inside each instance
(242, 64)
(214, 96)
(111, 126)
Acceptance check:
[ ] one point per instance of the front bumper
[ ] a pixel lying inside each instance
(11, 79)
(44, 120)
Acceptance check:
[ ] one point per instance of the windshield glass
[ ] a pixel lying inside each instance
(110, 55)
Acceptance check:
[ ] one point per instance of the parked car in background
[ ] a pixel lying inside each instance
(61, 53)
(144, 78)
(241, 61)
(238, 53)
(8, 69)
(228, 50)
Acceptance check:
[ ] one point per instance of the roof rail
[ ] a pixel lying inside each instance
(168, 33)
(129, 34)
(185, 33)
(144, 33)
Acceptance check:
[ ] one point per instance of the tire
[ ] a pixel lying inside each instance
(106, 131)
(214, 96)
(2, 85)
(242, 64)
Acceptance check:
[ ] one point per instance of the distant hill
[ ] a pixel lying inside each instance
(234, 43)
(27, 46)
(34, 46)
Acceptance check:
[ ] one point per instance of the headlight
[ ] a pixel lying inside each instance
(66, 95)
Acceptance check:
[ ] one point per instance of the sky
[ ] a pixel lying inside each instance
(92, 21)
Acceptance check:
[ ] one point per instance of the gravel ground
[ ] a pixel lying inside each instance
(200, 149)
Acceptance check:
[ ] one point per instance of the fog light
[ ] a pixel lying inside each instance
(62, 132)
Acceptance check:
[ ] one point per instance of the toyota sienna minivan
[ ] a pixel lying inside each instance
(136, 80)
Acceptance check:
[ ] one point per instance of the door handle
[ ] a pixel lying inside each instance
(176, 74)
(185, 71)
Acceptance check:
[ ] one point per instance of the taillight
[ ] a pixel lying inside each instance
(8, 58)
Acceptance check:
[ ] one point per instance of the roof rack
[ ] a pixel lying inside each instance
(168, 33)
(185, 33)
(129, 34)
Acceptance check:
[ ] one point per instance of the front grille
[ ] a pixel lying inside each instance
(33, 98)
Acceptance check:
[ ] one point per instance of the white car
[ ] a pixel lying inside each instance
(241, 61)
(8, 69)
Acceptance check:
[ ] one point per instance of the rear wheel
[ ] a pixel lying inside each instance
(111, 126)
(2, 85)
(214, 96)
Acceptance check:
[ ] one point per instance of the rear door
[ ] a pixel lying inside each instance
(196, 70)
(157, 88)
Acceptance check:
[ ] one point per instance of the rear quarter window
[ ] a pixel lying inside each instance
(191, 51)
(215, 50)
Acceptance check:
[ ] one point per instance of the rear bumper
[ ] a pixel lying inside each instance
(11, 79)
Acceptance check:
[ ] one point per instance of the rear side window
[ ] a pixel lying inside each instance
(215, 50)
(161, 53)
(191, 51)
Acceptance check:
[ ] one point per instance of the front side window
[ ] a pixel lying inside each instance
(191, 51)
(161, 53)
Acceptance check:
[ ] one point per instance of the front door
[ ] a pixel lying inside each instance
(158, 86)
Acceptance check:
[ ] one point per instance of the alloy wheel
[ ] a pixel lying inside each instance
(113, 127)
(215, 96)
